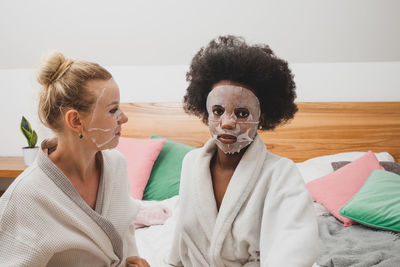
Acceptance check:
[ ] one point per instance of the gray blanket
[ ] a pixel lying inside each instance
(357, 245)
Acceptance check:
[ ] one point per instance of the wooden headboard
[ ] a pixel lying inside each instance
(319, 128)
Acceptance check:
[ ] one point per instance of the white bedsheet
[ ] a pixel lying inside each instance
(154, 242)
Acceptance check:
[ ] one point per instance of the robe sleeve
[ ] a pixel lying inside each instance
(289, 230)
(16, 253)
(131, 244)
(133, 207)
(173, 258)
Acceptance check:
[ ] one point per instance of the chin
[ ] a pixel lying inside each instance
(112, 144)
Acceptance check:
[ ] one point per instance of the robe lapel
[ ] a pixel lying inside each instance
(242, 183)
(62, 182)
(205, 205)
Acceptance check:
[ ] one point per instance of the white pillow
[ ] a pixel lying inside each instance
(317, 167)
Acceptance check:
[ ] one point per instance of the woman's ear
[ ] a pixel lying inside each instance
(73, 121)
(261, 123)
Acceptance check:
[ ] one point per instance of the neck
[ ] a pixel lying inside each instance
(74, 158)
(228, 161)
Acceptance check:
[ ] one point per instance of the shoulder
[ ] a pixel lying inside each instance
(113, 157)
(113, 154)
(207, 150)
(282, 170)
(28, 181)
(188, 166)
(276, 161)
(191, 155)
(24, 193)
(273, 158)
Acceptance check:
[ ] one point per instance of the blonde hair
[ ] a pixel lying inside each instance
(63, 83)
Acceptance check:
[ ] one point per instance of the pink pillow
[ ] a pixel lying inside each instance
(140, 155)
(337, 188)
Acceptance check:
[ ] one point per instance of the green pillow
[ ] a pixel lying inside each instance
(166, 173)
(377, 203)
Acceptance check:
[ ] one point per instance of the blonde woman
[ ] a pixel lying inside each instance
(72, 207)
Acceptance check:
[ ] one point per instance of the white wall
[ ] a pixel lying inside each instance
(169, 32)
(343, 50)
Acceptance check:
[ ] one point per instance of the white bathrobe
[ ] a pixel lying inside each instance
(266, 217)
(44, 221)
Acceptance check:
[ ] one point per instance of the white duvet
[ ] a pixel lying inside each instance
(154, 242)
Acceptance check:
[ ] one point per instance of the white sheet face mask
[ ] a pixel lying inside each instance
(103, 127)
(233, 117)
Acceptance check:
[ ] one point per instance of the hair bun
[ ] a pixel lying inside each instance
(51, 67)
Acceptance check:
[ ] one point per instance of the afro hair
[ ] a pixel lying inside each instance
(229, 58)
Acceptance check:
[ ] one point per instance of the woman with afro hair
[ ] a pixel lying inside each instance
(241, 205)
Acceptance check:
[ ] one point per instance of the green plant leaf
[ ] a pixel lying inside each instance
(26, 125)
(28, 132)
(32, 142)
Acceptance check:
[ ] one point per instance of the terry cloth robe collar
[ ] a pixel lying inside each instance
(216, 224)
(62, 182)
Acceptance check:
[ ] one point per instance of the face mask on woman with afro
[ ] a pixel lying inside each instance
(233, 117)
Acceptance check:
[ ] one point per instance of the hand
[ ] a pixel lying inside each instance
(135, 261)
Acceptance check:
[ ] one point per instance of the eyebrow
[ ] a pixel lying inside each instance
(242, 107)
(113, 103)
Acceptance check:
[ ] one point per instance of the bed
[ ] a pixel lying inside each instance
(320, 133)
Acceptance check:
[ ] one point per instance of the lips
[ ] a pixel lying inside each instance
(227, 138)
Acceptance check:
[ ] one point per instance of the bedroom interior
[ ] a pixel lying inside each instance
(346, 72)
(321, 134)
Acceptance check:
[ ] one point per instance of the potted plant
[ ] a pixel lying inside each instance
(31, 150)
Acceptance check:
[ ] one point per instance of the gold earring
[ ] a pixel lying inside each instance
(80, 136)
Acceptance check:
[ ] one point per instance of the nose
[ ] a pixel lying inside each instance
(123, 119)
(228, 123)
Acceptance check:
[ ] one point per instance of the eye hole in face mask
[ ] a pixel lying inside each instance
(218, 110)
(112, 111)
(242, 113)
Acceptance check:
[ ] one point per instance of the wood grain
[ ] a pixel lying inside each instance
(319, 128)
(11, 166)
